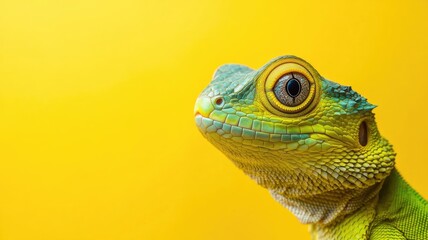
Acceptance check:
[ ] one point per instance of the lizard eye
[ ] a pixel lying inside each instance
(289, 86)
(292, 89)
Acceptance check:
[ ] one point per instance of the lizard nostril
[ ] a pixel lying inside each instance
(219, 101)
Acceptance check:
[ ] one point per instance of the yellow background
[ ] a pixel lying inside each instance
(97, 137)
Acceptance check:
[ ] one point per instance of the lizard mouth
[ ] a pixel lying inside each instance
(255, 136)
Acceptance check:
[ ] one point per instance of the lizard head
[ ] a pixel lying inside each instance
(291, 130)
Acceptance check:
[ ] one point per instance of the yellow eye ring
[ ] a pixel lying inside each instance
(289, 86)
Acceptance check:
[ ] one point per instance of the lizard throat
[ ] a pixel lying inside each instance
(328, 207)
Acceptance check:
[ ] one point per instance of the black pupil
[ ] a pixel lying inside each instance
(293, 87)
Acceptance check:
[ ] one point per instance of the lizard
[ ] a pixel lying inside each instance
(314, 144)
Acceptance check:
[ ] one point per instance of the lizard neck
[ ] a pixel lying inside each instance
(352, 226)
(325, 208)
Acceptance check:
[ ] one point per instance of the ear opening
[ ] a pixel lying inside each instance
(363, 134)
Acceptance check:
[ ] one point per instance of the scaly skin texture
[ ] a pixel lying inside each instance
(314, 157)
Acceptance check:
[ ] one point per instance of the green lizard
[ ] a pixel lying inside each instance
(315, 146)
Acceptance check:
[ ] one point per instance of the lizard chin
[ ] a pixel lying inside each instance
(312, 196)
